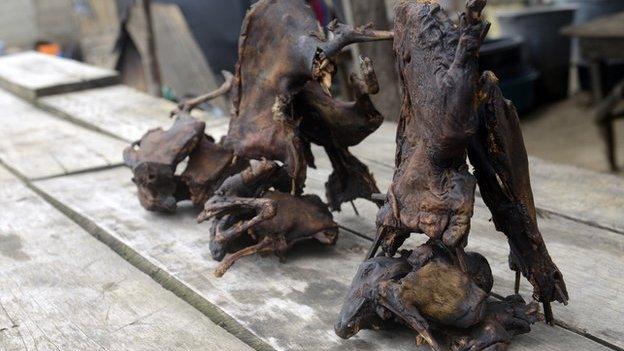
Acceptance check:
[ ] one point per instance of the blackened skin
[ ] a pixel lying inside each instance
(432, 191)
(449, 112)
(249, 205)
(425, 289)
(499, 157)
(154, 159)
(281, 99)
(337, 125)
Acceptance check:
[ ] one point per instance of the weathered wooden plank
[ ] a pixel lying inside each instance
(36, 144)
(31, 75)
(590, 259)
(290, 306)
(118, 110)
(603, 27)
(594, 198)
(493, 244)
(182, 63)
(62, 289)
(590, 197)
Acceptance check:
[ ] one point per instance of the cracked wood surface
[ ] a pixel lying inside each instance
(576, 193)
(32, 75)
(37, 144)
(596, 199)
(118, 110)
(588, 255)
(61, 289)
(273, 300)
(593, 283)
(591, 257)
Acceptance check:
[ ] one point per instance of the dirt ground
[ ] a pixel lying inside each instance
(565, 132)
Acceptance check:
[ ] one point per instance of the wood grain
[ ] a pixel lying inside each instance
(274, 301)
(573, 224)
(590, 259)
(31, 75)
(38, 145)
(61, 289)
(611, 26)
(575, 193)
(119, 111)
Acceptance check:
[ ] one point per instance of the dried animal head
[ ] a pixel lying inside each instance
(447, 114)
(208, 166)
(425, 289)
(154, 159)
(247, 205)
(281, 96)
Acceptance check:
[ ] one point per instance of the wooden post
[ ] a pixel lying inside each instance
(358, 12)
(151, 59)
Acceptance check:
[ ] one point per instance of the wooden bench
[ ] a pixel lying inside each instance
(292, 306)
(61, 289)
(32, 75)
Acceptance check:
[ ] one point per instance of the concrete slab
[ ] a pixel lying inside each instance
(62, 289)
(566, 132)
(32, 75)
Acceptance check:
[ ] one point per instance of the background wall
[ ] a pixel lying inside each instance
(17, 24)
(22, 22)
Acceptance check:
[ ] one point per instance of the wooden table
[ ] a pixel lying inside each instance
(260, 303)
(599, 40)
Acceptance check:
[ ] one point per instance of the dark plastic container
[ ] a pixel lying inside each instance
(503, 56)
(546, 49)
(521, 90)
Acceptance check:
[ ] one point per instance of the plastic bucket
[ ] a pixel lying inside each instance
(521, 90)
(546, 49)
(503, 56)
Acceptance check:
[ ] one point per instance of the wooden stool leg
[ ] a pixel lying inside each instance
(609, 132)
(606, 121)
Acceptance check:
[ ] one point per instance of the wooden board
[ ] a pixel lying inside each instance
(289, 306)
(31, 75)
(183, 66)
(606, 27)
(590, 259)
(582, 195)
(594, 198)
(36, 144)
(119, 111)
(589, 290)
(61, 289)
